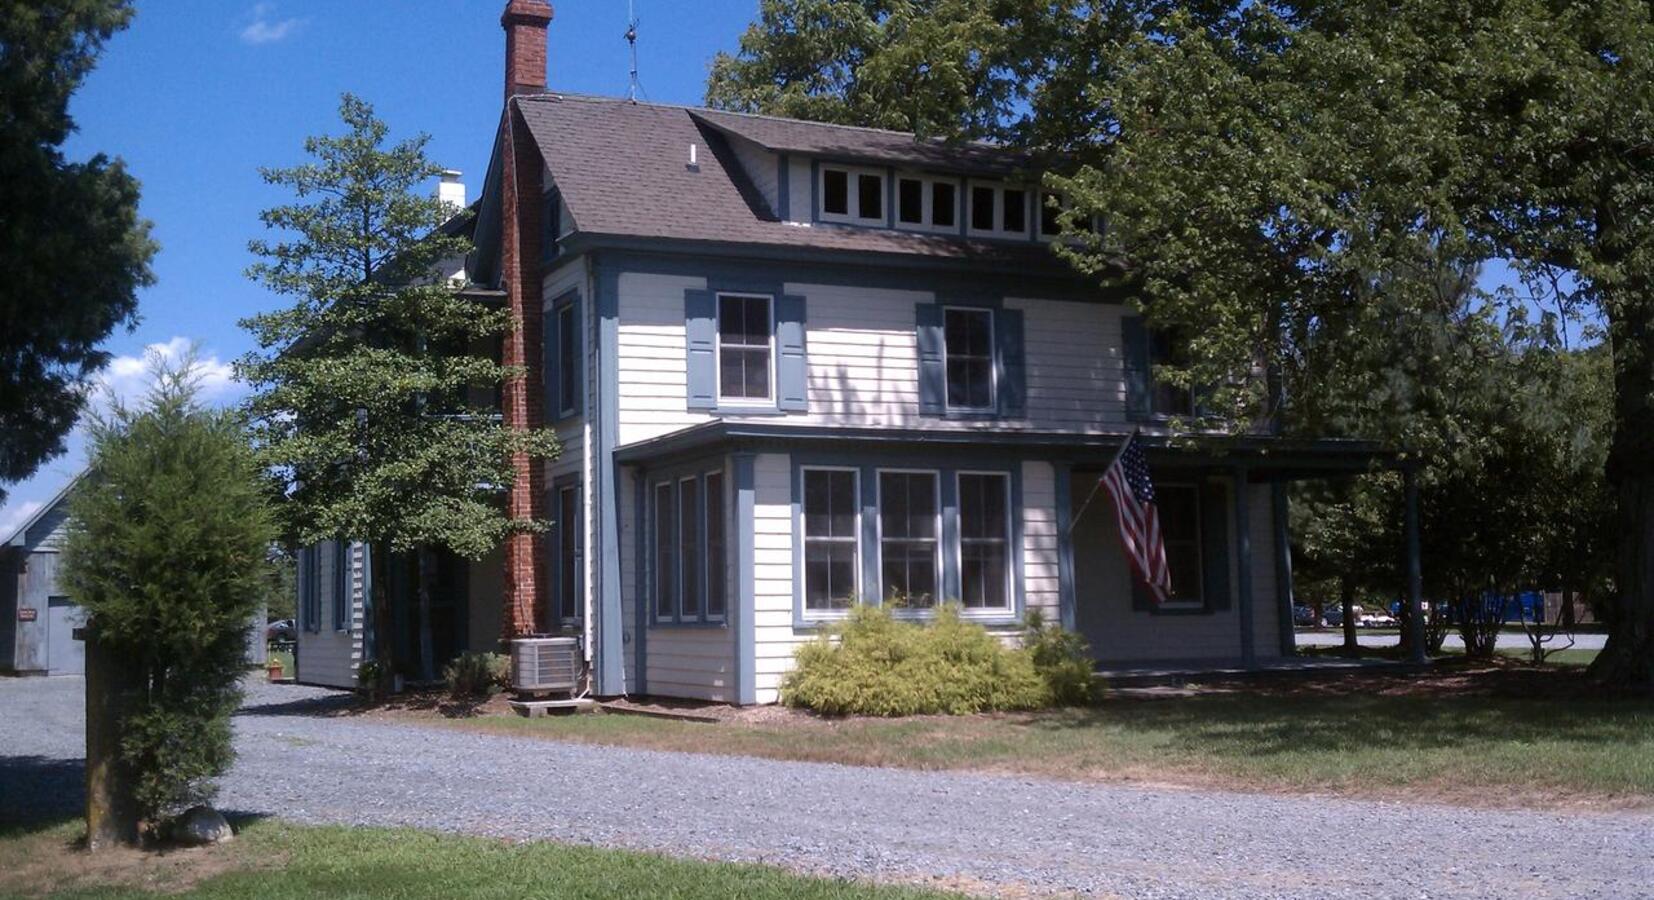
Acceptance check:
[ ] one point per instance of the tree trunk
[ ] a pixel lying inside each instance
(427, 574)
(1627, 660)
(111, 807)
(1346, 597)
(379, 571)
(1320, 612)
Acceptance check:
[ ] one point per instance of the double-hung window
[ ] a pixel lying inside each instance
(968, 345)
(568, 553)
(1179, 508)
(666, 553)
(984, 540)
(568, 359)
(745, 348)
(341, 586)
(852, 194)
(831, 527)
(690, 559)
(910, 561)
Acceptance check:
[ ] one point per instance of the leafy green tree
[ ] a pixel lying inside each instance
(373, 392)
(72, 245)
(165, 550)
(281, 583)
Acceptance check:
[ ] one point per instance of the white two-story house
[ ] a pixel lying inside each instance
(798, 366)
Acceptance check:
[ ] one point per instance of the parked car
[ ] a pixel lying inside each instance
(1304, 616)
(280, 630)
(1376, 620)
(1332, 616)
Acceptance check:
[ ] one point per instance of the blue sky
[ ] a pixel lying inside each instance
(198, 94)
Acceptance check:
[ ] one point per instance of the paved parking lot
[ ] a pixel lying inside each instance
(1005, 834)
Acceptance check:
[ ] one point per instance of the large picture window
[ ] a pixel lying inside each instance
(968, 347)
(1179, 509)
(984, 540)
(744, 347)
(909, 531)
(832, 522)
(690, 535)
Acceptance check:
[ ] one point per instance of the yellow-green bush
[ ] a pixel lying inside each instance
(477, 674)
(1062, 658)
(876, 665)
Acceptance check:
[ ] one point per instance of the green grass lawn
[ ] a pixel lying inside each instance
(273, 860)
(1378, 737)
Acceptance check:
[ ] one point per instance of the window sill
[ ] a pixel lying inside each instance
(1179, 610)
(747, 411)
(996, 619)
(672, 624)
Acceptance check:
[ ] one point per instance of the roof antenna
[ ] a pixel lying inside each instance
(631, 39)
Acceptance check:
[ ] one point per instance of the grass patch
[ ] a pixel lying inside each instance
(275, 860)
(1457, 739)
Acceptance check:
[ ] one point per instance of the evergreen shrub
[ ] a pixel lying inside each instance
(477, 674)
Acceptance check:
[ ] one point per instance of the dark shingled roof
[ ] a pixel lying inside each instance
(873, 145)
(623, 170)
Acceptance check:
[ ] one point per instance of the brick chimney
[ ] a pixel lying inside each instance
(525, 24)
(527, 582)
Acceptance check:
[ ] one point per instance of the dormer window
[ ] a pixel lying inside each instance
(998, 210)
(1051, 208)
(852, 195)
(926, 203)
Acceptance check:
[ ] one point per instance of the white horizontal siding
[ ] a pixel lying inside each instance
(761, 169)
(698, 663)
(329, 657)
(774, 635)
(863, 360)
(1040, 581)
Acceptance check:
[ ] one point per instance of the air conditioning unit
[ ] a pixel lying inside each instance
(546, 664)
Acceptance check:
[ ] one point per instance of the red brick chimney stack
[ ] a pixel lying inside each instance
(527, 584)
(525, 24)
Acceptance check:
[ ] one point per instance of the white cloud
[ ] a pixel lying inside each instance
(13, 515)
(128, 378)
(265, 28)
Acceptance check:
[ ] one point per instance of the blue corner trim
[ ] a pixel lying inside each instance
(611, 669)
(641, 598)
(744, 611)
(1065, 543)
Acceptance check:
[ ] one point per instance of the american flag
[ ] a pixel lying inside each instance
(1127, 482)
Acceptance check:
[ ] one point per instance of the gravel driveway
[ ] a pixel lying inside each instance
(1001, 833)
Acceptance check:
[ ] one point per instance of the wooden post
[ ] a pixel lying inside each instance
(1243, 569)
(111, 809)
(1283, 568)
(1415, 577)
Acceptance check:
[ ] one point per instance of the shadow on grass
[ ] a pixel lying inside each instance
(38, 791)
(1259, 726)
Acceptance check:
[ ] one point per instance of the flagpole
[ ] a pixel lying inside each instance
(1099, 485)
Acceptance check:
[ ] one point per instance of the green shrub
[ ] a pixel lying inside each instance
(167, 537)
(1062, 658)
(874, 664)
(477, 674)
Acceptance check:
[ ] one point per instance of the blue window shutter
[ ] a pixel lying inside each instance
(580, 355)
(933, 373)
(1214, 544)
(1013, 366)
(700, 315)
(792, 356)
(548, 362)
(1134, 352)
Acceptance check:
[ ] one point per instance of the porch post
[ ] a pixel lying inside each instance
(1283, 567)
(1243, 569)
(1415, 577)
(1065, 542)
(743, 611)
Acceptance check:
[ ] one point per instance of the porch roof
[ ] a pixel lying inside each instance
(1265, 457)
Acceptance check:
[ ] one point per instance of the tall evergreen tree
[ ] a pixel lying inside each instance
(167, 536)
(72, 245)
(373, 393)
